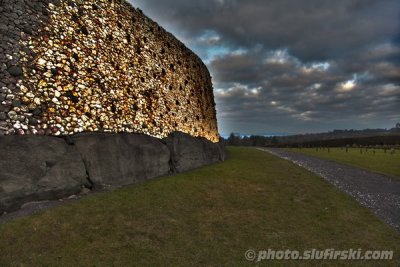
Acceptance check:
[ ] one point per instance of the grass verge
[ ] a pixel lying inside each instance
(379, 161)
(208, 217)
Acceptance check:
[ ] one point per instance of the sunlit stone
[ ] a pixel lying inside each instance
(98, 69)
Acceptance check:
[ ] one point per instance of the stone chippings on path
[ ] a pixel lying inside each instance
(378, 192)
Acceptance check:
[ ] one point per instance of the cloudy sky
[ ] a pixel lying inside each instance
(293, 66)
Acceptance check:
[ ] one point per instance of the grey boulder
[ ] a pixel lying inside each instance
(15, 71)
(114, 160)
(188, 152)
(37, 168)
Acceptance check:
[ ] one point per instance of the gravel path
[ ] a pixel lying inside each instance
(378, 192)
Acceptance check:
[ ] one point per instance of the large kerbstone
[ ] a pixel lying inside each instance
(120, 159)
(223, 151)
(36, 168)
(188, 152)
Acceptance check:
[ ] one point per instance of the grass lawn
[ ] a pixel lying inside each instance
(208, 217)
(381, 162)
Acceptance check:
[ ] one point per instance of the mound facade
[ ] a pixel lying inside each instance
(98, 66)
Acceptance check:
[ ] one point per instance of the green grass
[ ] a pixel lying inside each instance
(380, 162)
(208, 217)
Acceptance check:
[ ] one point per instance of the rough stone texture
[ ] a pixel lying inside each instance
(15, 71)
(117, 160)
(37, 168)
(224, 153)
(71, 66)
(96, 66)
(188, 153)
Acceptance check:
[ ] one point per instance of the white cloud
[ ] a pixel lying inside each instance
(347, 86)
(305, 116)
(315, 86)
(320, 66)
(286, 109)
(238, 90)
(280, 56)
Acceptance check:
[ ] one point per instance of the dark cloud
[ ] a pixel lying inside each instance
(294, 66)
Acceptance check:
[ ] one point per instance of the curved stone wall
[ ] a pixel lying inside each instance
(98, 66)
(41, 168)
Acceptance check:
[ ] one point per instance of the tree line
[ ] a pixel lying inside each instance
(368, 137)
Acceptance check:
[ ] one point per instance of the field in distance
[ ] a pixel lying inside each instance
(372, 159)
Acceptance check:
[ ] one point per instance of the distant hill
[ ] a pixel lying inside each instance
(338, 134)
(334, 138)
